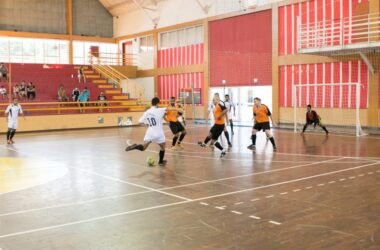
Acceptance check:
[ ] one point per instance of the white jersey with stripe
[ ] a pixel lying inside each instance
(229, 106)
(13, 111)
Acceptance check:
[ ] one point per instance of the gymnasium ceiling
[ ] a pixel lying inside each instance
(118, 7)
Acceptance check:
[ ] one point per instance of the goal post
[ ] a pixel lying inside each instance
(339, 106)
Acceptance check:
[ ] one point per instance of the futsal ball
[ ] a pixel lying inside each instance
(150, 161)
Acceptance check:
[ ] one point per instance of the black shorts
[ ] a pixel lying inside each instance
(216, 131)
(176, 127)
(262, 126)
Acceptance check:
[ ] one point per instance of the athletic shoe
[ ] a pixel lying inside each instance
(173, 148)
(274, 148)
(179, 146)
(223, 154)
(162, 164)
(132, 147)
(230, 145)
(202, 144)
(251, 147)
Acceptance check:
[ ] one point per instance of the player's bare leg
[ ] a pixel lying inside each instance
(181, 137)
(271, 138)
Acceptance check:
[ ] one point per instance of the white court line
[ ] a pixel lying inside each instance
(220, 208)
(203, 203)
(284, 193)
(275, 222)
(331, 182)
(296, 190)
(286, 182)
(92, 219)
(255, 217)
(269, 196)
(252, 174)
(236, 212)
(175, 204)
(370, 172)
(238, 203)
(257, 199)
(361, 175)
(73, 203)
(343, 179)
(310, 187)
(321, 185)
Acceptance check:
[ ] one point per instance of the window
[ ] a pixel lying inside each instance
(181, 37)
(108, 52)
(145, 44)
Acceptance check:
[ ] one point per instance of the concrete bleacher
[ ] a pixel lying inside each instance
(48, 78)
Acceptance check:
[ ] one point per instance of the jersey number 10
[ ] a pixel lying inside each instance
(152, 122)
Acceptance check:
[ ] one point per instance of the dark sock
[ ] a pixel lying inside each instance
(325, 129)
(175, 138)
(181, 137)
(272, 141)
(218, 146)
(12, 134)
(9, 135)
(162, 154)
(232, 126)
(227, 136)
(304, 128)
(140, 147)
(253, 137)
(207, 140)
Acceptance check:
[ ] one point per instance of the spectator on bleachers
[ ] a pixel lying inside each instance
(22, 93)
(75, 94)
(16, 91)
(3, 93)
(62, 97)
(31, 91)
(3, 72)
(83, 98)
(102, 99)
(81, 75)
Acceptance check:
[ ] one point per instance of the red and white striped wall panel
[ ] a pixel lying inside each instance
(310, 12)
(170, 85)
(338, 96)
(181, 56)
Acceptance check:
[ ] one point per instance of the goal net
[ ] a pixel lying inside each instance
(338, 105)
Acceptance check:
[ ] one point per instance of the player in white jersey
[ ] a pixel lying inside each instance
(230, 107)
(154, 117)
(12, 112)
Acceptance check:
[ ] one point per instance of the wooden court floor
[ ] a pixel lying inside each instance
(80, 190)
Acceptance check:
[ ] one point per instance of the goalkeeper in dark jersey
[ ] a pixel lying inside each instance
(312, 118)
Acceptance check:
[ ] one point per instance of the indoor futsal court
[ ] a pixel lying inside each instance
(189, 124)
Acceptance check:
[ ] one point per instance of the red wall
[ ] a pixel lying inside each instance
(241, 50)
(170, 85)
(181, 56)
(334, 97)
(310, 12)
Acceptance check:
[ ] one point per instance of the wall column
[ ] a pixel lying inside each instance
(373, 81)
(69, 29)
(155, 62)
(275, 69)
(206, 69)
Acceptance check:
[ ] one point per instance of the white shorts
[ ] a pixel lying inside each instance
(158, 138)
(13, 124)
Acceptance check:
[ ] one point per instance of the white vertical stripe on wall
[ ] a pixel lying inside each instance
(299, 83)
(332, 18)
(332, 88)
(307, 83)
(315, 86)
(340, 84)
(293, 30)
(285, 30)
(359, 77)
(324, 87)
(341, 16)
(349, 81)
(308, 22)
(350, 20)
(292, 85)
(286, 85)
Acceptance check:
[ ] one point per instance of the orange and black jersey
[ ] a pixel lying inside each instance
(173, 113)
(218, 110)
(261, 113)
